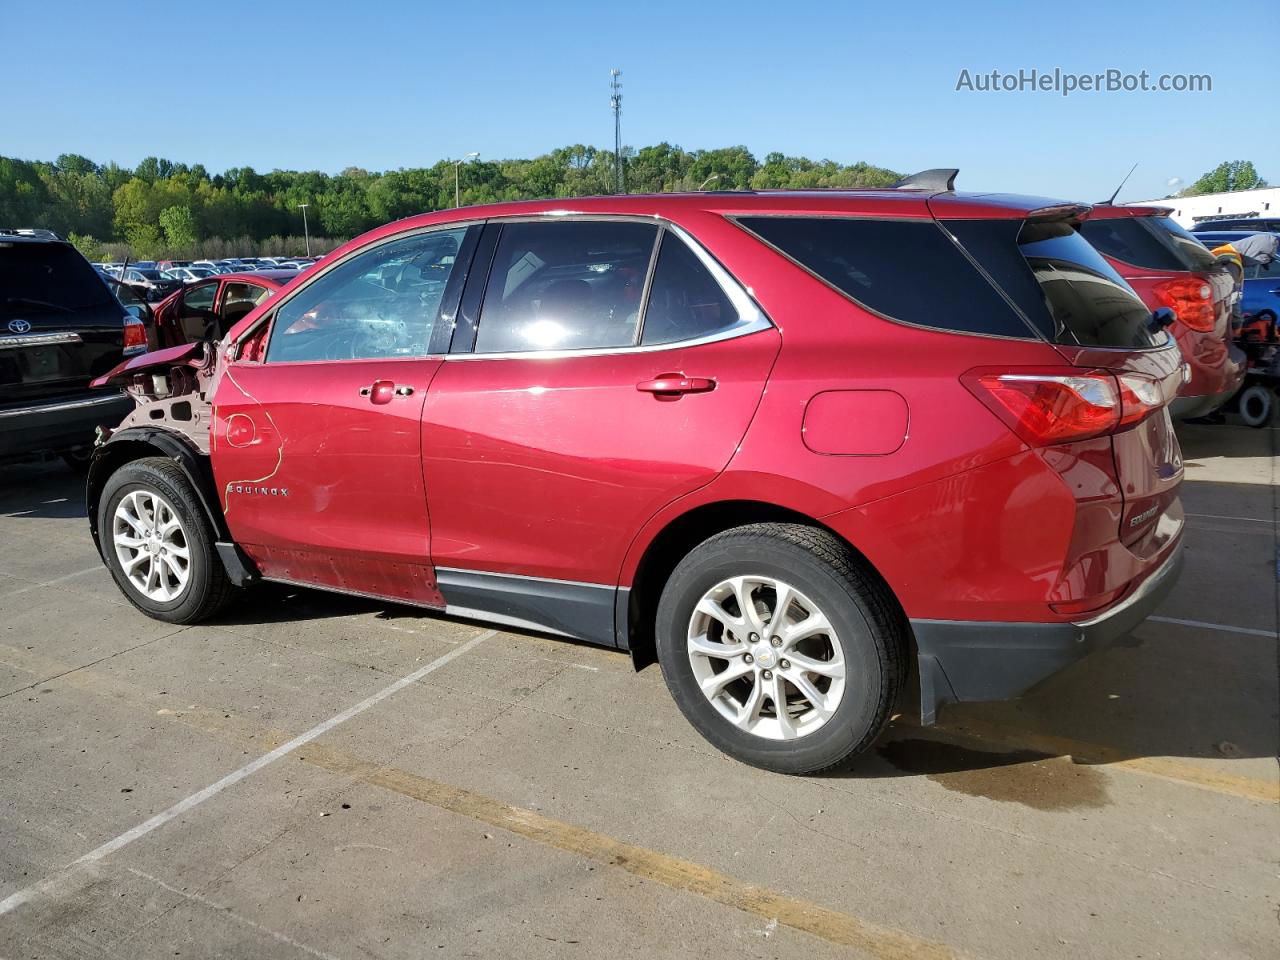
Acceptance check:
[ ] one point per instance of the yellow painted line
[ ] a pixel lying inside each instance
(1167, 768)
(673, 872)
(677, 874)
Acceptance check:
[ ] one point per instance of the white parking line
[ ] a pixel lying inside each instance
(15, 900)
(1248, 631)
(1214, 516)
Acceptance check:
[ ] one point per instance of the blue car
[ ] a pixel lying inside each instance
(1261, 296)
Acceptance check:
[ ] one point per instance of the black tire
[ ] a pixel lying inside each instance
(77, 459)
(1257, 405)
(207, 587)
(872, 632)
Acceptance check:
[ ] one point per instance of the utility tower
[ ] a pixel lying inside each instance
(615, 101)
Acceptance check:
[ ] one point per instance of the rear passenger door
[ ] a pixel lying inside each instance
(607, 368)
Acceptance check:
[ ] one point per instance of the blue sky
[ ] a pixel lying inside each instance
(384, 84)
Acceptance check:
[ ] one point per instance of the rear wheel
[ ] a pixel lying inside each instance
(779, 648)
(158, 543)
(1257, 405)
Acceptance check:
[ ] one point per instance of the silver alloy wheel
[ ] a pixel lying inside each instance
(766, 657)
(151, 545)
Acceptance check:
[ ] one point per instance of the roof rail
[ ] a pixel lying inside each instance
(939, 180)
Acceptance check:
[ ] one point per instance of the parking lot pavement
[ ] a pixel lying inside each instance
(317, 776)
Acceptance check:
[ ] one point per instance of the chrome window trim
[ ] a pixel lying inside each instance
(751, 318)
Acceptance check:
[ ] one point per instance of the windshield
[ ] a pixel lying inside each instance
(47, 277)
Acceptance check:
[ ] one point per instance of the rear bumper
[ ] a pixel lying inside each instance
(1210, 388)
(59, 424)
(967, 660)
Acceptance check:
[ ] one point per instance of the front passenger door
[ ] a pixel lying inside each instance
(317, 447)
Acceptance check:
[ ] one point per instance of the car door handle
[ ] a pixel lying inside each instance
(675, 383)
(381, 391)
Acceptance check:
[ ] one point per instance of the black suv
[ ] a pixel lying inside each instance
(60, 326)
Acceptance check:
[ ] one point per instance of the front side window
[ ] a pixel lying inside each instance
(565, 285)
(382, 303)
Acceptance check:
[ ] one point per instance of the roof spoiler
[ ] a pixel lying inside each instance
(1060, 211)
(938, 180)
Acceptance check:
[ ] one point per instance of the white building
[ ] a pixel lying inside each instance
(1189, 211)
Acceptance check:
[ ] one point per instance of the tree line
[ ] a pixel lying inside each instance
(165, 209)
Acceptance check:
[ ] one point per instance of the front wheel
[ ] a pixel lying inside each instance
(158, 544)
(780, 648)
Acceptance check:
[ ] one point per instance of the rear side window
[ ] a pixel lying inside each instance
(1156, 243)
(685, 301)
(903, 270)
(566, 285)
(39, 278)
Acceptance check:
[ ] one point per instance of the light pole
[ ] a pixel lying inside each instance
(615, 101)
(457, 190)
(703, 185)
(305, 229)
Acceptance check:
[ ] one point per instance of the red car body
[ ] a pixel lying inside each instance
(557, 489)
(1176, 272)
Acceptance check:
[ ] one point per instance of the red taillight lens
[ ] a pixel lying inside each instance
(135, 337)
(1050, 407)
(1139, 397)
(1191, 299)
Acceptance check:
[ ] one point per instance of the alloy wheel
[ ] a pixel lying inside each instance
(151, 545)
(766, 657)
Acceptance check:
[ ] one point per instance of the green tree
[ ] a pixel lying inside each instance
(91, 248)
(1227, 177)
(179, 225)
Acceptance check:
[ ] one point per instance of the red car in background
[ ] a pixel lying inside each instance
(803, 448)
(1169, 267)
(207, 309)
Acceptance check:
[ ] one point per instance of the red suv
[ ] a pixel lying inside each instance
(809, 450)
(1169, 267)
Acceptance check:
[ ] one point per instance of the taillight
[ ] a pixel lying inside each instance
(1190, 298)
(1061, 405)
(135, 337)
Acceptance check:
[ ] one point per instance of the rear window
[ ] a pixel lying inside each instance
(1088, 302)
(1156, 243)
(48, 278)
(903, 270)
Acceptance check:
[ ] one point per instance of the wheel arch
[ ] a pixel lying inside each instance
(636, 606)
(137, 443)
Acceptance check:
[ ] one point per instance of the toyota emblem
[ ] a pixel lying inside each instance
(19, 326)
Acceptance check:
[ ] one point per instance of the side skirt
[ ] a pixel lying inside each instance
(583, 611)
(580, 611)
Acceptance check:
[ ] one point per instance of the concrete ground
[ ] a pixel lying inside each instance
(264, 787)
